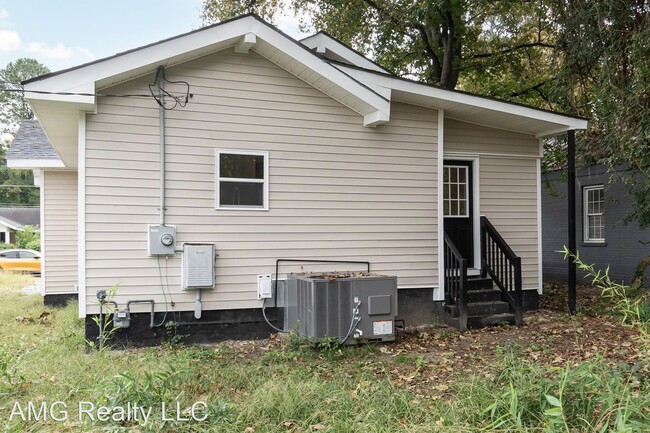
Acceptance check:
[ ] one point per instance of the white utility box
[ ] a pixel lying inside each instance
(162, 240)
(264, 286)
(198, 266)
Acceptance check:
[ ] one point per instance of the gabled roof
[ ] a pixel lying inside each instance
(78, 85)
(60, 99)
(31, 148)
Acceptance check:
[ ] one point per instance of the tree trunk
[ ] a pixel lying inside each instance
(639, 274)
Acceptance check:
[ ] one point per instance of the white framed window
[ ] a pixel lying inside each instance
(455, 183)
(242, 179)
(593, 210)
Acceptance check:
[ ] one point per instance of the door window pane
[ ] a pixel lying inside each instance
(455, 191)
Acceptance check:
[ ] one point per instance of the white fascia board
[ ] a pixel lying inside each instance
(11, 226)
(469, 100)
(164, 53)
(324, 69)
(158, 53)
(35, 164)
(322, 42)
(81, 95)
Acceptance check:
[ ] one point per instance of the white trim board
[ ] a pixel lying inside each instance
(81, 210)
(438, 292)
(539, 227)
(35, 164)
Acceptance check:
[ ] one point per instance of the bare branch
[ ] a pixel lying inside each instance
(512, 49)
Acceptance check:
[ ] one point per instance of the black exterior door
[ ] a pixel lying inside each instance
(458, 207)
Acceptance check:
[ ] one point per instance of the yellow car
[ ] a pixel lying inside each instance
(20, 261)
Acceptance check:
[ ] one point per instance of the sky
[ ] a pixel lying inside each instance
(65, 33)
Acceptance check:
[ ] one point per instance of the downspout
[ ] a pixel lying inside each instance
(161, 113)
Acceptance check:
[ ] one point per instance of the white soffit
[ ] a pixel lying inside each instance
(246, 33)
(471, 108)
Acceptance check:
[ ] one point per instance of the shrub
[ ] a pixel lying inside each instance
(29, 237)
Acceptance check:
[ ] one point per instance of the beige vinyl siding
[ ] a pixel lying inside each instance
(508, 186)
(60, 232)
(337, 190)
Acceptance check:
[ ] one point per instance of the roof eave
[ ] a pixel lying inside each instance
(86, 79)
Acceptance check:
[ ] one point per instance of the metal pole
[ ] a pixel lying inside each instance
(571, 186)
(161, 114)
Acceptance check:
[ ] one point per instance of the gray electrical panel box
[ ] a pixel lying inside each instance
(198, 266)
(162, 240)
(326, 305)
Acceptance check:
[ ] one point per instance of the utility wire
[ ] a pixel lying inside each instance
(44, 92)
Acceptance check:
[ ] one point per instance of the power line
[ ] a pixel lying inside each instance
(44, 92)
(184, 97)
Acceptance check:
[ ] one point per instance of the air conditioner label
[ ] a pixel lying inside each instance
(382, 327)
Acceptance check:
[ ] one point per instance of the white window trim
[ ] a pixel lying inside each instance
(264, 181)
(467, 186)
(585, 214)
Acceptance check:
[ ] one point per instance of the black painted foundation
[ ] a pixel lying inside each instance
(182, 327)
(59, 300)
(415, 307)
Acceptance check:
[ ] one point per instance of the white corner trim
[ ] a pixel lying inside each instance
(35, 163)
(245, 43)
(43, 230)
(540, 261)
(438, 292)
(81, 211)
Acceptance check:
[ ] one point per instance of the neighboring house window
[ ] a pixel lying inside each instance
(455, 191)
(242, 179)
(593, 210)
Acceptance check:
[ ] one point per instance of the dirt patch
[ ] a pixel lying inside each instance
(424, 360)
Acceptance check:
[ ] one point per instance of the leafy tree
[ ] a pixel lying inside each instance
(13, 107)
(482, 45)
(605, 76)
(16, 186)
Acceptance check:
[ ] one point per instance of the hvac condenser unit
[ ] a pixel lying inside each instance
(352, 307)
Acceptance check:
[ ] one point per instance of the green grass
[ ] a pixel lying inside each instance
(280, 387)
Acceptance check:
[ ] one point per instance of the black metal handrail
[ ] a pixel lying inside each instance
(503, 265)
(455, 281)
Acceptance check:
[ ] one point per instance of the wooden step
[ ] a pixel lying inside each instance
(483, 295)
(478, 283)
